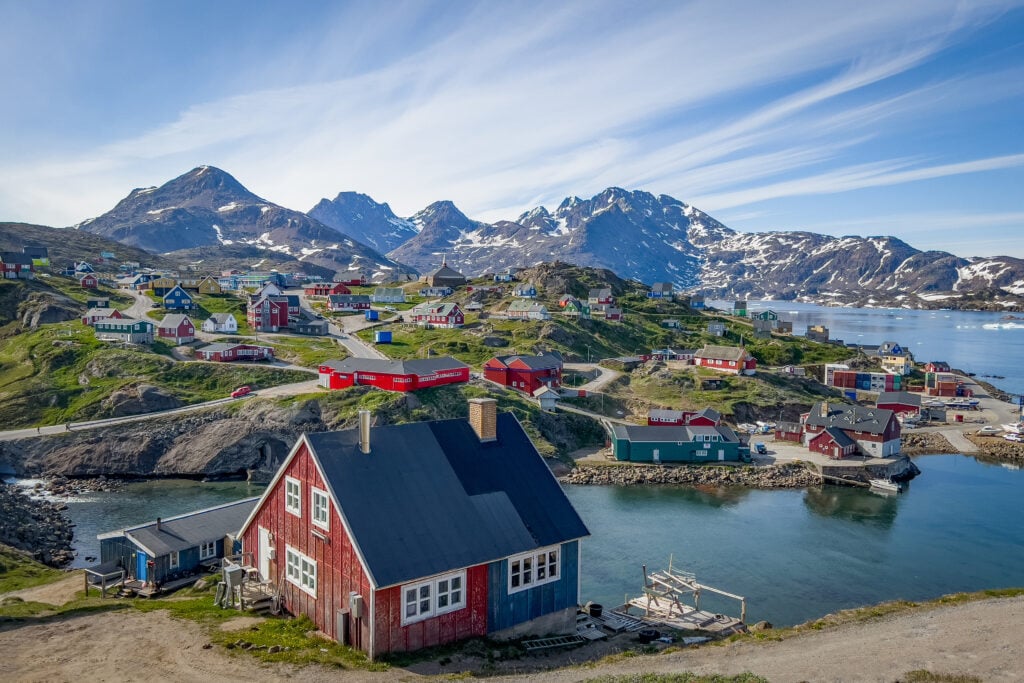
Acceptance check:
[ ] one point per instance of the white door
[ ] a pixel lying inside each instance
(721, 454)
(264, 554)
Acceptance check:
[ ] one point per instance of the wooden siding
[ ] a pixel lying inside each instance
(505, 610)
(338, 568)
(470, 621)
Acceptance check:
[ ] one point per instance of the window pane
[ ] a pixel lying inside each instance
(424, 591)
(456, 597)
(410, 595)
(456, 582)
(424, 606)
(442, 586)
(442, 600)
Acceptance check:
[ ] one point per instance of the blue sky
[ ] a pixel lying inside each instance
(895, 118)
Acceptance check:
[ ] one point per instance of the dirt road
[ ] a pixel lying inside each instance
(979, 638)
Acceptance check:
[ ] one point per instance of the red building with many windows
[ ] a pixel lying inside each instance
(267, 314)
(526, 373)
(400, 537)
(223, 352)
(393, 375)
(733, 359)
(437, 314)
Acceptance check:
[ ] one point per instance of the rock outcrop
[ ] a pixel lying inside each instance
(768, 477)
(35, 526)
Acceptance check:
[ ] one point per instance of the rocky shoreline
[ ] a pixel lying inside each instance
(788, 476)
(38, 527)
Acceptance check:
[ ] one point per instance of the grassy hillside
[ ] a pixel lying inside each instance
(18, 570)
(554, 434)
(66, 245)
(61, 373)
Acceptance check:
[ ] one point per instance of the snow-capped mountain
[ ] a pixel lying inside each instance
(207, 207)
(658, 238)
(353, 213)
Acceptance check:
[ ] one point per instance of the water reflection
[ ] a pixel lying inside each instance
(685, 495)
(855, 505)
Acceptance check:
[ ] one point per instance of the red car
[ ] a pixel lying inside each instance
(240, 392)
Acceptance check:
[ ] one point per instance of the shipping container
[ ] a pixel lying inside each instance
(372, 315)
(382, 337)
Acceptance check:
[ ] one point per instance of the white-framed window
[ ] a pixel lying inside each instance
(321, 508)
(207, 550)
(534, 568)
(300, 570)
(701, 454)
(175, 560)
(433, 597)
(293, 496)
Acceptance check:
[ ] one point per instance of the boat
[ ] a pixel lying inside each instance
(886, 485)
(1013, 428)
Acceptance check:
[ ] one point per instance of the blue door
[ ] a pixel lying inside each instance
(140, 566)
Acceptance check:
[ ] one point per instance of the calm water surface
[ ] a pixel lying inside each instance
(97, 513)
(957, 337)
(797, 555)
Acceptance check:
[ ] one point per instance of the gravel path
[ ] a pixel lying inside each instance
(980, 638)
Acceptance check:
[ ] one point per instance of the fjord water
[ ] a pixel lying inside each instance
(957, 337)
(798, 555)
(144, 501)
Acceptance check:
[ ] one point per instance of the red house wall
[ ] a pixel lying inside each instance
(899, 407)
(471, 621)
(338, 568)
(497, 374)
(701, 421)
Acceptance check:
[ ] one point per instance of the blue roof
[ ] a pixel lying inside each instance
(430, 497)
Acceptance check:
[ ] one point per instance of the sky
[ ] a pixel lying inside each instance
(870, 118)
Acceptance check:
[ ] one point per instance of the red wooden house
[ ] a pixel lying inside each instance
(900, 402)
(88, 281)
(267, 314)
(437, 314)
(833, 442)
(16, 266)
(178, 328)
(225, 352)
(94, 314)
(325, 289)
(401, 537)
(874, 431)
(393, 375)
(733, 359)
(526, 373)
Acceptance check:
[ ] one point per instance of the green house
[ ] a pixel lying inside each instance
(634, 443)
(128, 330)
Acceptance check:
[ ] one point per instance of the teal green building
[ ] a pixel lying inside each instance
(677, 444)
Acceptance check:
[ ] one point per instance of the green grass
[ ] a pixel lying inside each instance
(297, 645)
(308, 352)
(18, 570)
(60, 373)
(925, 676)
(207, 305)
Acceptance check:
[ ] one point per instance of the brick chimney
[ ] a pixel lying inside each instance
(483, 417)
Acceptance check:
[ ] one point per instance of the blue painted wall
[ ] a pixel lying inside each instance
(505, 611)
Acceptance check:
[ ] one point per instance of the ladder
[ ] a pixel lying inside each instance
(547, 643)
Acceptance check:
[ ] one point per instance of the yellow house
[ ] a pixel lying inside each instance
(209, 286)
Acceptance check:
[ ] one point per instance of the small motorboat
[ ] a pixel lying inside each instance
(886, 485)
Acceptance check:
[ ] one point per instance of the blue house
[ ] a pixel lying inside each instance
(660, 290)
(164, 550)
(526, 290)
(177, 299)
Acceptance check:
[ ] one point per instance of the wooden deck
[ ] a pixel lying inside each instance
(686, 618)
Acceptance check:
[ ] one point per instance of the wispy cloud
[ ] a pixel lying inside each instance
(503, 106)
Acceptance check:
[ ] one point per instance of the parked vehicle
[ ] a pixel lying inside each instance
(241, 391)
(989, 430)
(761, 449)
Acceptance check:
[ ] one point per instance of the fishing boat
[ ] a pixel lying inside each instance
(886, 485)
(1013, 428)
